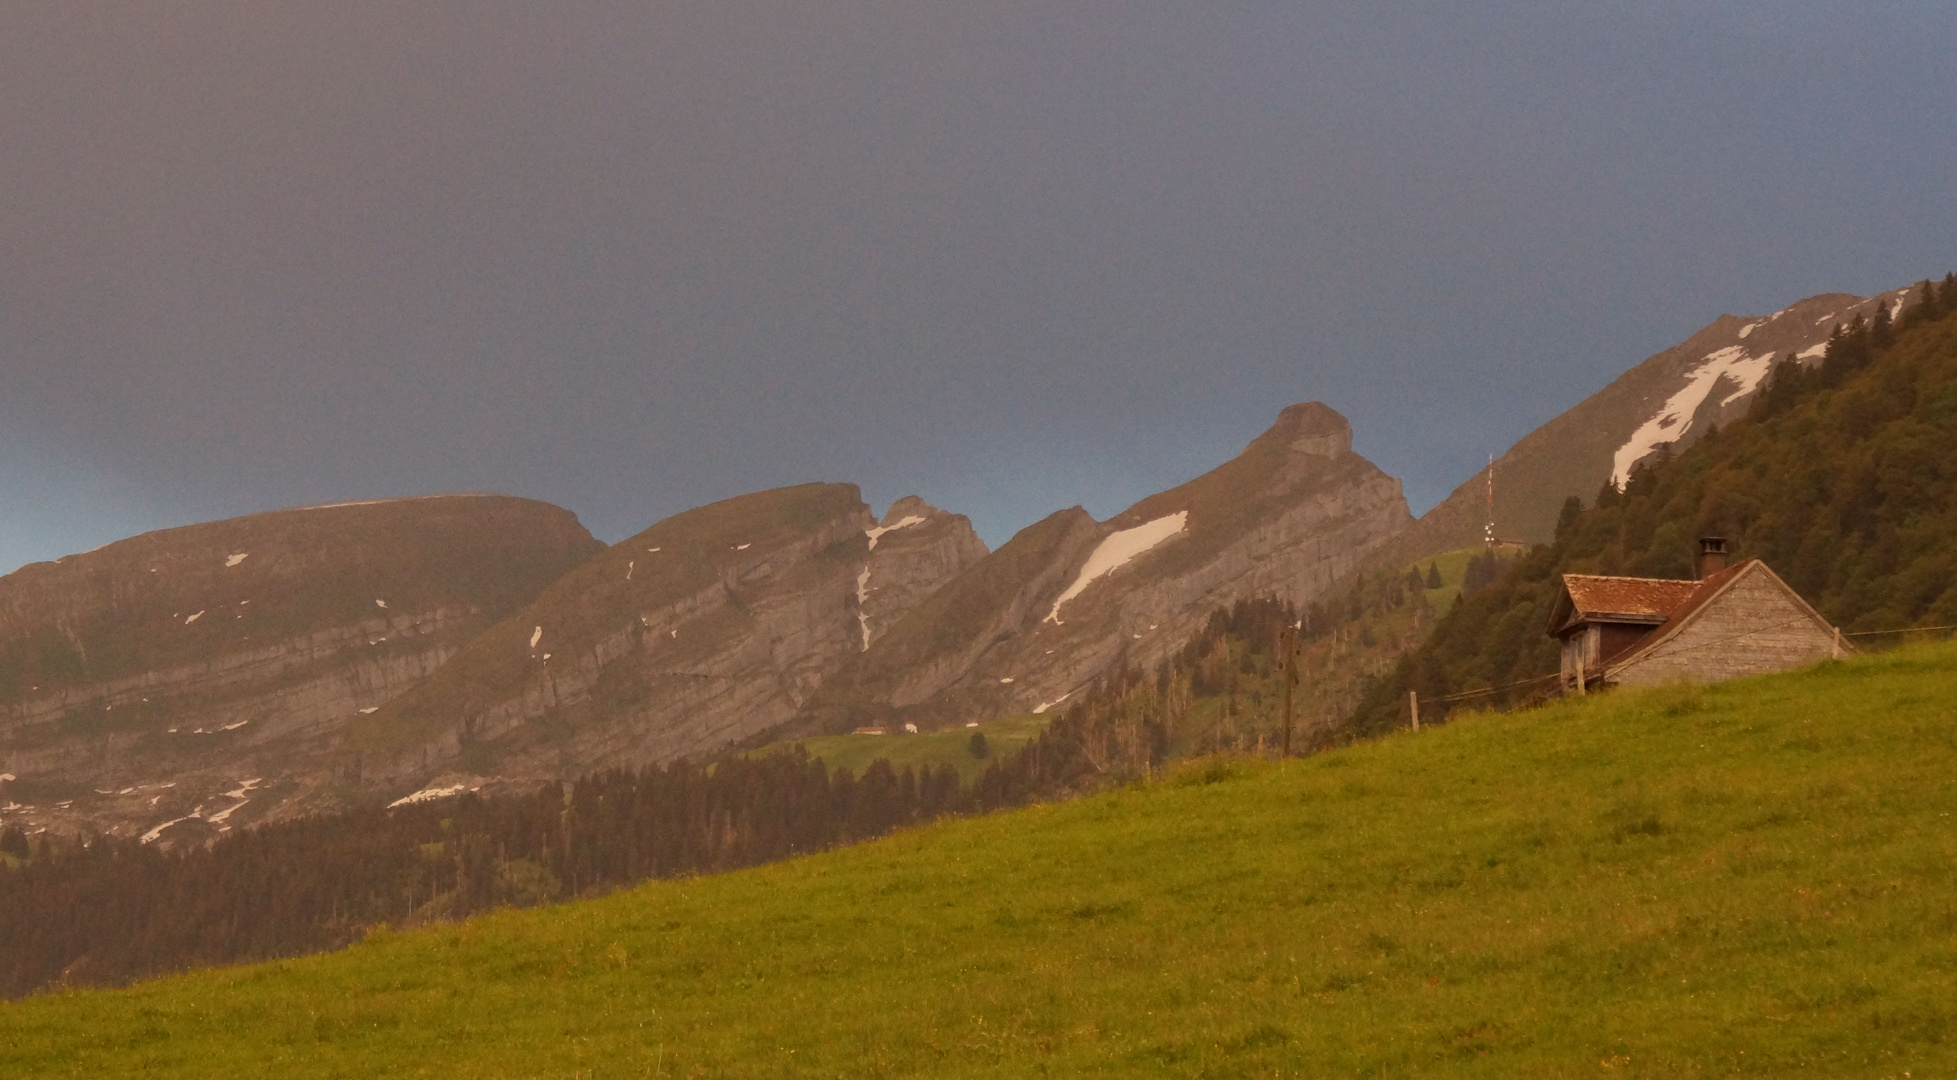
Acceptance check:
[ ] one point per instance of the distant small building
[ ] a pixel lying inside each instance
(1731, 621)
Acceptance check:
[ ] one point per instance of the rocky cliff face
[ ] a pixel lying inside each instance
(1068, 598)
(913, 551)
(1670, 399)
(703, 630)
(143, 681)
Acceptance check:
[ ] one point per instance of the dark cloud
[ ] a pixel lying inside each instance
(631, 257)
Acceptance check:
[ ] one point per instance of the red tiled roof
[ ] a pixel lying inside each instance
(1649, 601)
(1641, 598)
(1703, 591)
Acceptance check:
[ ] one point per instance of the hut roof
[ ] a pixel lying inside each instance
(1640, 601)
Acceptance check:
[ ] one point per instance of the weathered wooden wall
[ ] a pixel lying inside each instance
(1752, 628)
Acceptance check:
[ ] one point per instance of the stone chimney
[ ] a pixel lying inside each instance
(1712, 556)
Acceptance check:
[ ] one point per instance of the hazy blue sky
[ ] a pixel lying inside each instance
(634, 257)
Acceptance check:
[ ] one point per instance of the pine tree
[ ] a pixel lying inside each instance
(1572, 509)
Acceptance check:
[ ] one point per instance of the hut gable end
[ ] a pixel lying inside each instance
(1744, 621)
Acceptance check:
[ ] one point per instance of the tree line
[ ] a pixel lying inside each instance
(107, 910)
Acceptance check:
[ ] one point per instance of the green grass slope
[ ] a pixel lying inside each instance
(1754, 878)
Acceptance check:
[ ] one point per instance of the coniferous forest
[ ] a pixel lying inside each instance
(110, 910)
(1841, 478)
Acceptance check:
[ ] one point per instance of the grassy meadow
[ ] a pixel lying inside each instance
(1003, 737)
(1758, 878)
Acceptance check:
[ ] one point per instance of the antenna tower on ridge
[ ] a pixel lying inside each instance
(1488, 531)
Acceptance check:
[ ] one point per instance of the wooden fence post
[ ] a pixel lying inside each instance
(1287, 644)
(1413, 707)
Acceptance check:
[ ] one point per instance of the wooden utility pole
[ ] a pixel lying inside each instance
(1287, 644)
(1413, 707)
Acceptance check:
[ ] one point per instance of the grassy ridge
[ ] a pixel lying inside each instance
(1750, 878)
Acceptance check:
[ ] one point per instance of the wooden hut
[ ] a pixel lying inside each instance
(1730, 621)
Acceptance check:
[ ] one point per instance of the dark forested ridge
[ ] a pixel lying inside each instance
(1842, 478)
(109, 910)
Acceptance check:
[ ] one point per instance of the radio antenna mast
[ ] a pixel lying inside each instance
(1488, 531)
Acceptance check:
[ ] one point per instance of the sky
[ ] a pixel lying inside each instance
(635, 257)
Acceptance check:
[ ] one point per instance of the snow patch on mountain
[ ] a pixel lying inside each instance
(876, 533)
(863, 597)
(151, 836)
(1116, 551)
(430, 794)
(1674, 418)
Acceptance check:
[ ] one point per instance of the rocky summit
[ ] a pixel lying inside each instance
(705, 629)
(1069, 598)
(189, 680)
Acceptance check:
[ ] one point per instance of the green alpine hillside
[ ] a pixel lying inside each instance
(1754, 878)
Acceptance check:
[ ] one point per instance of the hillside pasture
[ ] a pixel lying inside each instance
(1755, 878)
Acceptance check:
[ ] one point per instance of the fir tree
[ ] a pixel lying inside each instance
(1572, 509)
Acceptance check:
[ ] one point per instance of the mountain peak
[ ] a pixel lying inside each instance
(908, 507)
(1310, 427)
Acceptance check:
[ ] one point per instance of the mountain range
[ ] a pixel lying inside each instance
(205, 675)
(189, 681)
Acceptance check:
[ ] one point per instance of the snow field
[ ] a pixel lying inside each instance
(1674, 418)
(1117, 551)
